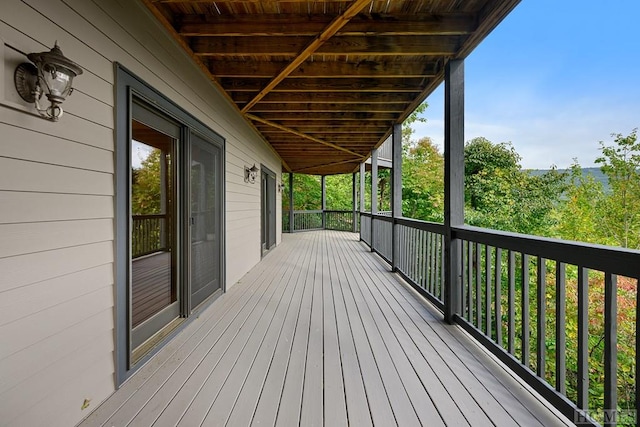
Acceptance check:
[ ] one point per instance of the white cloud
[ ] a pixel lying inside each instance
(544, 132)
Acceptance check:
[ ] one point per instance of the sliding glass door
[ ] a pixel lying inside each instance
(175, 234)
(155, 294)
(205, 208)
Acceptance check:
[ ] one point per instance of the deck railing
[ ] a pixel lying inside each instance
(319, 220)
(148, 234)
(548, 309)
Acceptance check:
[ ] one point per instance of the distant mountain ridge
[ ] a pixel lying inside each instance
(595, 172)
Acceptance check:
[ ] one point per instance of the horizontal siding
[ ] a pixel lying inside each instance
(20, 143)
(16, 207)
(57, 199)
(26, 332)
(40, 266)
(75, 128)
(89, 361)
(19, 239)
(22, 175)
(28, 364)
(26, 301)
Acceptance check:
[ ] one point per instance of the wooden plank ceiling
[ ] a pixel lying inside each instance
(324, 81)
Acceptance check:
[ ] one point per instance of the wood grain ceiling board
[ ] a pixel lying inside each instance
(324, 81)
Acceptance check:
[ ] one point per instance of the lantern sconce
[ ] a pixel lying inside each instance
(52, 75)
(250, 174)
(280, 188)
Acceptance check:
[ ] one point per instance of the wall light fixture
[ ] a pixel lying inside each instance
(250, 173)
(52, 75)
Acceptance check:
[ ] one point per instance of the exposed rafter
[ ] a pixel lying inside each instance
(324, 81)
(328, 32)
(302, 135)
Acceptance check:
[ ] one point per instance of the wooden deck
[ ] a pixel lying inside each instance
(152, 290)
(321, 333)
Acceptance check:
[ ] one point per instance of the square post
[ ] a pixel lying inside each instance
(354, 203)
(396, 191)
(362, 190)
(453, 185)
(323, 182)
(374, 192)
(291, 202)
(362, 186)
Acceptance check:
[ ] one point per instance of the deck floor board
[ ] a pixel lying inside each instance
(321, 333)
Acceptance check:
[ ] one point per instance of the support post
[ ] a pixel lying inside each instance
(362, 190)
(354, 203)
(323, 182)
(374, 192)
(291, 223)
(453, 185)
(396, 191)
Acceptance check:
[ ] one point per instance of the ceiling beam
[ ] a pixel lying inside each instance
(340, 45)
(308, 107)
(330, 98)
(251, 68)
(325, 165)
(343, 116)
(295, 132)
(317, 85)
(302, 126)
(312, 24)
(312, 47)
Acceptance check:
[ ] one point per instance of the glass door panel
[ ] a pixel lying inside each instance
(205, 213)
(153, 289)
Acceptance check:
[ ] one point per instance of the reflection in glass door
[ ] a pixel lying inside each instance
(205, 202)
(154, 296)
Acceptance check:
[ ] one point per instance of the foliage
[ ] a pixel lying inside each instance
(423, 181)
(621, 164)
(145, 188)
(579, 216)
(500, 195)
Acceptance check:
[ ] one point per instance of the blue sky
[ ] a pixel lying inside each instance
(554, 79)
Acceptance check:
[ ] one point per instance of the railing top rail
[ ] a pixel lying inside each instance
(148, 216)
(383, 218)
(620, 261)
(317, 211)
(433, 227)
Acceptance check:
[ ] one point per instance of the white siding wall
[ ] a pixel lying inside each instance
(56, 199)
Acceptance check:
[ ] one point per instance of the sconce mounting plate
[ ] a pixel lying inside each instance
(25, 79)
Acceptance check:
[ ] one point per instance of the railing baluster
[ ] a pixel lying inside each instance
(441, 268)
(526, 331)
(470, 278)
(541, 346)
(414, 260)
(610, 348)
(583, 338)
(431, 269)
(478, 287)
(419, 261)
(511, 261)
(561, 335)
(463, 283)
(498, 296)
(487, 285)
(637, 373)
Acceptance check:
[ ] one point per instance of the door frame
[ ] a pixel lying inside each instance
(128, 86)
(271, 189)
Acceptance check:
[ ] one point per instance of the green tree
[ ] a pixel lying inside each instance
(621, 164)
(423, 181)
(580, 213)
(500, 195)
(146, 185)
